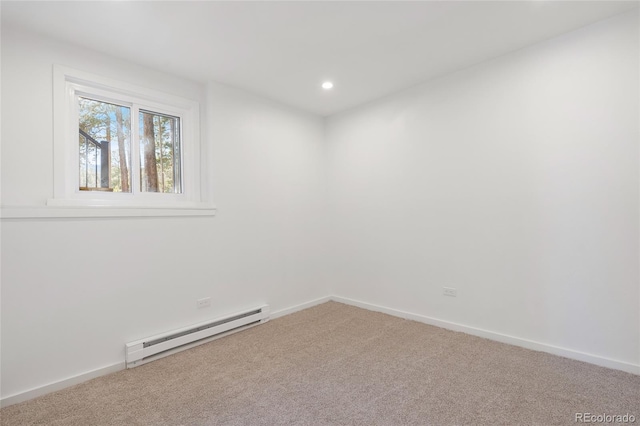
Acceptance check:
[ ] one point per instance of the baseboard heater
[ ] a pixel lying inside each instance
(154, 347)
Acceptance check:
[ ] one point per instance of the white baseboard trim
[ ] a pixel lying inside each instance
(83, 377)
(491, 335)
(516, 341)
(300, 307)
(55, 386)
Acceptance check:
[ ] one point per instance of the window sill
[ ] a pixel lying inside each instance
(62, 211)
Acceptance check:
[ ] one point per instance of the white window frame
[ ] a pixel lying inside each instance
(68, 84)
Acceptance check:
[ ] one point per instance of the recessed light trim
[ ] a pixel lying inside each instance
(327, 85)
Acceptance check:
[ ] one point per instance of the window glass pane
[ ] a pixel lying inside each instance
(160, 156)
(105, 146)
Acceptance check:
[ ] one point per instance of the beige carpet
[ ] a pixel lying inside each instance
(339, 365)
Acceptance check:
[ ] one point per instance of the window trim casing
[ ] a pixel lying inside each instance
(67, 83)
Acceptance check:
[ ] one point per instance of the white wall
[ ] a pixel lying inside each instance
(514, 181)
(74, 291)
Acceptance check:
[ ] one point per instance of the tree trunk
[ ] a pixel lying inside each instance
(150, 177)
(124, 170)
(172, 153)
(105, 181)
(160, 135)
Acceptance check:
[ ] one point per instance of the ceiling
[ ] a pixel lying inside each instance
(285, 50)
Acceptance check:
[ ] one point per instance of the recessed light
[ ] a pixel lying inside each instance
(327, 85)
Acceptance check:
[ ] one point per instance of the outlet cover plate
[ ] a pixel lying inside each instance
(203, 303)
(450, 291)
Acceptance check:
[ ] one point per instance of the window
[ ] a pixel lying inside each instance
(160, 153)
(123, 146)
(104, 154)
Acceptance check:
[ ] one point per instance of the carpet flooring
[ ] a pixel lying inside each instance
(335, 364)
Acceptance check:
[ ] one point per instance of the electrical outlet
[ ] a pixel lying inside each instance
(203, 303)
(449, 291)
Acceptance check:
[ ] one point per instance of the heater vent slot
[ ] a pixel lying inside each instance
(200, 328)
(160, 345)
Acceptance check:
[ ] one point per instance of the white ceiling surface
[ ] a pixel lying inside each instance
(284, 50)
